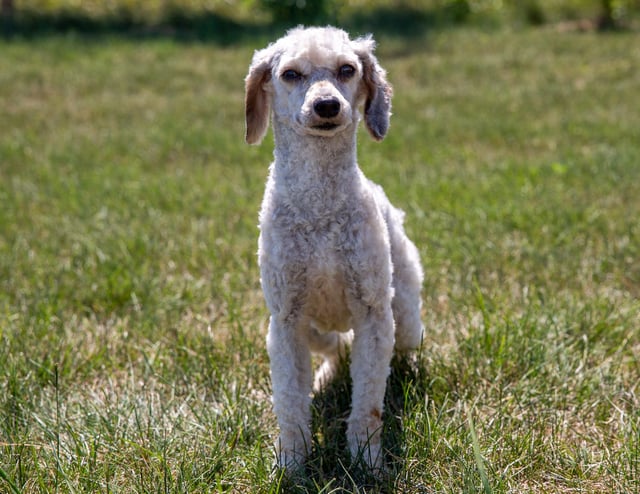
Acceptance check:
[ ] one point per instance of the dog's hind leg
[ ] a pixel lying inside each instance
(332, 346)
(407, 283)
(407, 301)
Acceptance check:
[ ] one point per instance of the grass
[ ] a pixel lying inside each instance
(132, 354)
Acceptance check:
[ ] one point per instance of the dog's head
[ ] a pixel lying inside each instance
(314, 80)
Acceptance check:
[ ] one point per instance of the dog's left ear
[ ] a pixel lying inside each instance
(257, 102)
(377, 105)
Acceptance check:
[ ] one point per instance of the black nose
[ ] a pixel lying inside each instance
(327, 107)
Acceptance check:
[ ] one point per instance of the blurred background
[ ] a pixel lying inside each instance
(225, 20)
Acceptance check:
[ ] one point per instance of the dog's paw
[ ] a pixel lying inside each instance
(291, 452)
(365, 443)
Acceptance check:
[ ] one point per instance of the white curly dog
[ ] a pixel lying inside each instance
(336, 265)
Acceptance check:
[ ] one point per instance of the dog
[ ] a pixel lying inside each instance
(337, 269)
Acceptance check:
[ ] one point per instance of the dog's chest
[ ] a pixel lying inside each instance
(327, 291)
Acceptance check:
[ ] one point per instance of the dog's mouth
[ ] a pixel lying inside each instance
(326, 126)
(320, 128)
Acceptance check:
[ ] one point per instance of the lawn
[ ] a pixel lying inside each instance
(132, 354)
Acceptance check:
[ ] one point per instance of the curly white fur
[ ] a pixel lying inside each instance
(336, 266)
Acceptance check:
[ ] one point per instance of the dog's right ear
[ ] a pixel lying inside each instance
(257, 102)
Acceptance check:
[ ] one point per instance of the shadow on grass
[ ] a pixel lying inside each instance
(406, 22)
(330, 465)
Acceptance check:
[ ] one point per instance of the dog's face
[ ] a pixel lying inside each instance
(316, 86)
(314, 80)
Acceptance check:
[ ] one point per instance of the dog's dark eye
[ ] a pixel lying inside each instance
(346, 72)
(291, 75)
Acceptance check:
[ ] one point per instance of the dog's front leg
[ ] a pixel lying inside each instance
(291, 381)
(370, 358)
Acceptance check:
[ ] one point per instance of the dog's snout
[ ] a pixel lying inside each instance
(327, 107)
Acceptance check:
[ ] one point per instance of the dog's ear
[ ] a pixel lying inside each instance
(377, 104)
(257, 102)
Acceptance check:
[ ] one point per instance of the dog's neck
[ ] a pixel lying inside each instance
(313, 156)
(315, 175)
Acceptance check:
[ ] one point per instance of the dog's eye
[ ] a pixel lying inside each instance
(346, 72)
(291, 75)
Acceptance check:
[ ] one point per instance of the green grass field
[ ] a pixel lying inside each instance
(132, 355)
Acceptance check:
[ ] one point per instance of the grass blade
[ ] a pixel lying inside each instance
(478, 458)
(4, 476)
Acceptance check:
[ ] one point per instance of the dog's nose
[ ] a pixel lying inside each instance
(327, 107)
